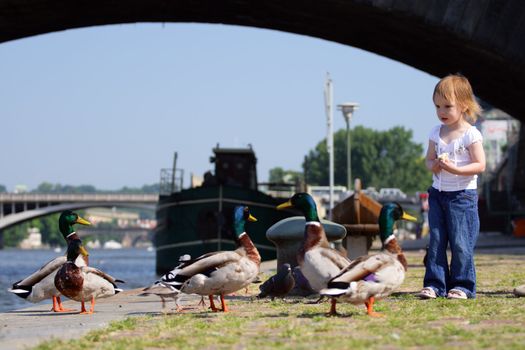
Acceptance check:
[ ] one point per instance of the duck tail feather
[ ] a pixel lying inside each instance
(20, 291)
(332, 292)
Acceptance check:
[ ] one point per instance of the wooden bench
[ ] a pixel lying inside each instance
(359, 214)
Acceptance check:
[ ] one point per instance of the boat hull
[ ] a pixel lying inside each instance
(199, 220)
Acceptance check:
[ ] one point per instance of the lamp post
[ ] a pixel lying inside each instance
(328, 93)
(348, 109)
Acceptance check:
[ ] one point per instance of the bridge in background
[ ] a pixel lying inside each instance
(17, 208)
(128, 237)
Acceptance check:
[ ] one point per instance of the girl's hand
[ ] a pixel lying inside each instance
(436, 166)
(447, 165)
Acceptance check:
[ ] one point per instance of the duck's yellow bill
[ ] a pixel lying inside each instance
(408, 217)
(83, 251)
(82, 221)
(285, 205)
(252, 218)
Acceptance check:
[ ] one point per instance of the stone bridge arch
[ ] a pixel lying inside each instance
(483, 39)
(19, 218)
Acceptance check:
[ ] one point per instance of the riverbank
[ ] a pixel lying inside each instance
(29, 326)
(496, 319)
(32, 325)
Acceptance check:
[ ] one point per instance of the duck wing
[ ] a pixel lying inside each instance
(109, 278)
(43, 272)
(336, 257)
(208, 263)
(360, 268)
(161, 289)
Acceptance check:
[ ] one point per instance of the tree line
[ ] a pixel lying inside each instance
(47, 187)
(379, 158)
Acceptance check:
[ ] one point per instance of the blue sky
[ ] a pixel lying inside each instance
(109, 105)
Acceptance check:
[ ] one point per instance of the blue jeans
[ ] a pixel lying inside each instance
(453, 219)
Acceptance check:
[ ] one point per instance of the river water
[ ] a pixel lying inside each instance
(135, 266)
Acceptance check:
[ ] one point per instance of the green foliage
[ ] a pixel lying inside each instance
(48, 226)
(379, 158)
(279, 175)
(47, 187)
(144, 189)
(3, 189)
(14, 235)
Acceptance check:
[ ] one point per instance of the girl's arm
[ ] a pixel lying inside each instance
(477, 154)
(431, 161)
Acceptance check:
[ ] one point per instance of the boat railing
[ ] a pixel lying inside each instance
(170, 181)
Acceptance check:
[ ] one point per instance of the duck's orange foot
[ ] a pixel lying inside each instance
(375, 314)
(63, 309)
(86, 312)
(58, 306)
(370, 308)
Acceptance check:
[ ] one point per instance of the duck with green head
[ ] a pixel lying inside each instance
(40, 285)
(222, 272)
(81, 283)
(373, 277)
(317, 260)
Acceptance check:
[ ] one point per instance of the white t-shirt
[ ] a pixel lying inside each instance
(459, 154)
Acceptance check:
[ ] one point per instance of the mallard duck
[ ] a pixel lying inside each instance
(373, 277)
(279, 284)
(165, 287)
(82, 283)
(317, 260)
(223, 272)
(40, 285)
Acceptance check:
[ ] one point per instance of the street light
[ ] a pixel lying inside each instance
(348, 109)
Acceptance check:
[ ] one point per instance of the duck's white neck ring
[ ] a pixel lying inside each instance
(391, 237)
(315, 223)
(242, 234)
(72, 233)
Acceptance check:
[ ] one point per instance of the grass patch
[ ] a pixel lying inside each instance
(495, 320)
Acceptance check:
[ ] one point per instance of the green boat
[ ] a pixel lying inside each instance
(198, 220)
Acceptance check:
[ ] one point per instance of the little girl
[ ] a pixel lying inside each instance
(455, 156)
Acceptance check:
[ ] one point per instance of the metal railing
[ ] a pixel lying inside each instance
(79, 197)
(170, 181)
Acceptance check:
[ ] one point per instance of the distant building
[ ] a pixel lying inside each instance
(321, 195)
(122, 218)
(33, 241)
(21, 189)
(499, 132)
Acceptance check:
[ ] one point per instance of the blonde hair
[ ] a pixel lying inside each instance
(455, 87)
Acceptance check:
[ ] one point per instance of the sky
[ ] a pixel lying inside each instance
(108, 106)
